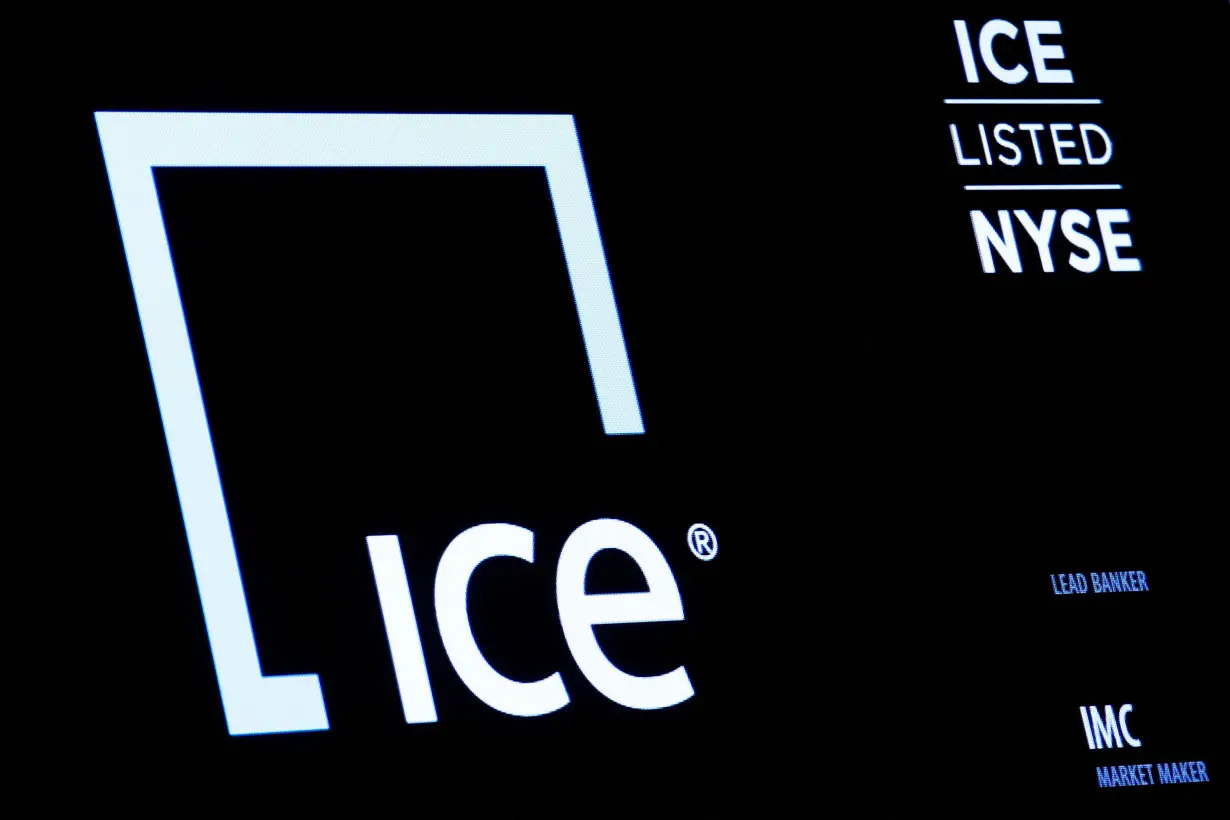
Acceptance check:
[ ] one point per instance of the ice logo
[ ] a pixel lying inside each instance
(133, 144)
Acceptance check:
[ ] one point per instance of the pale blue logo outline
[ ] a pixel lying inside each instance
(134, 143)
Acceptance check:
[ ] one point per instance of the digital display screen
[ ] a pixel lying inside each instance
(738, 412)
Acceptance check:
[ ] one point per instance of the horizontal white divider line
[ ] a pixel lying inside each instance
(1099, 187)
(1023, 101)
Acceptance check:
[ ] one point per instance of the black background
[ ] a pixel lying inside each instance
(895, 449)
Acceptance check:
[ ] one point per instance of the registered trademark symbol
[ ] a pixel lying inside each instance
(702, 541)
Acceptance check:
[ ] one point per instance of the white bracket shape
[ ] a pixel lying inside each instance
(134, 143)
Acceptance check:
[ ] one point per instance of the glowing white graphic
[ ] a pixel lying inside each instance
(405, 644)
(1022, 101)
(134, 144)
(1064, 153)
(458, 563)
(1108, 733)
(1087, 187)
(579, 612)
(1040, 53)
(702, 540)
(1003, 241)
